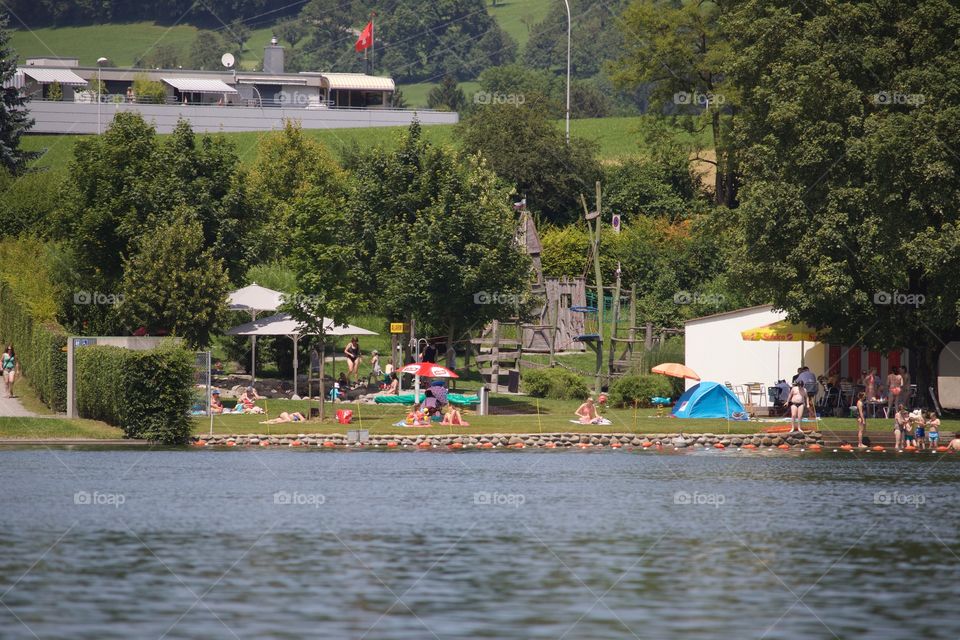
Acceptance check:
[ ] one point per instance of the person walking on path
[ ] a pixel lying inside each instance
(11, 369)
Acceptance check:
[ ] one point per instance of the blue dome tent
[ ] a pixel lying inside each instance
(708, 400)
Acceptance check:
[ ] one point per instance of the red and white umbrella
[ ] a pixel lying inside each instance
(428, 370)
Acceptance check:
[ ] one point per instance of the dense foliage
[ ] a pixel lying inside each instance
(558, 384)
(145, 393)
(636, 391)
(15, 120)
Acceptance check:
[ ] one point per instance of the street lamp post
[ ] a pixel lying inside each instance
(100, 63)
(569, 31)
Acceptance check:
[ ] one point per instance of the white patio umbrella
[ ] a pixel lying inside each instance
(254, 299)
(283, 324)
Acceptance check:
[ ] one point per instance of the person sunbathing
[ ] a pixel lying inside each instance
(587, 412)
(286, 417)
(452, 417)
(216, 406)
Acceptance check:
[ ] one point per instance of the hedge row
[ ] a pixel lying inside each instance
(145, 393)
(40, 347)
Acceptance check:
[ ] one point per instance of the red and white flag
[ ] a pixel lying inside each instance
(365, 41)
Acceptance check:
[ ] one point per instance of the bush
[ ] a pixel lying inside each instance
(639, 389)
(145, 393)
(558, 384)
(40, 348)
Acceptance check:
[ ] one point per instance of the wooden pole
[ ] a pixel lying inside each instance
(599, 277)
(554, 323)
(633, 320)
(495, 363)
(616, 318)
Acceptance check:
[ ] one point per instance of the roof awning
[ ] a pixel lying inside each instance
(271, 80)
(359, 82)
(49, 76)
(199, 85)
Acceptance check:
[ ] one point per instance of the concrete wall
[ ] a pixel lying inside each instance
(949, 382)
(74, 117)
(716, 351)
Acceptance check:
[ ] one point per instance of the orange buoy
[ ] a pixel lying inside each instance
(847, 447)
(296, 443)
(815, 447)
(391, 444)
(231, 443)
(486, 445)
(909, 447)
(329, 444)
(783, 446)
(264, 443)
(943, 449)
(719, 445)
(878, 448)
(456, 445)
(583, 445)
(517, 445)
(646, 444)
(615, 445)
(424, 445)
(203, 443)
(750, 446)
(551, 445)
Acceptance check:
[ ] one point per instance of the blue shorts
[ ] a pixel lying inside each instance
(934, 435)
(919, 432)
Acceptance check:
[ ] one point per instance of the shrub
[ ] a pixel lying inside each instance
(145, 393)
(558, 384)
(40, 348)
(639, 389)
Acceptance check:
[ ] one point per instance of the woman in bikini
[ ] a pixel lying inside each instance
(353, 359)
(797, 400)
(894, 387)
(587, 412)
(453, 418)
(901, 421)
(861, 418)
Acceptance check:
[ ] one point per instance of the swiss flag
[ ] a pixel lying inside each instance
(366, 38)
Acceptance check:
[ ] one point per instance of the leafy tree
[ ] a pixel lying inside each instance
(173, 282)
(594, 37)
(639, 186)
(288, 165)
(15, 120)
(447, 95)
(55, 92)
(526, 148)
(162, 56)
(683, 53)
(398, 100)
(443, 231)
(207, 49)
(850, 169)
(237, 33)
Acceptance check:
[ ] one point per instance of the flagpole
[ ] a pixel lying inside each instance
(373, 14)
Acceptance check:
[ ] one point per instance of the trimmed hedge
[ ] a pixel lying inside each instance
(145, 393)
(556, 383)
(639, 389)
(40, 347)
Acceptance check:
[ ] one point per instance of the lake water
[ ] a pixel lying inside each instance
(411, 545)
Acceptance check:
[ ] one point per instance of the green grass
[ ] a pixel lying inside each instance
(517, 16)
(416, 93)
(37, 428)
(617, 137)
(121, 43)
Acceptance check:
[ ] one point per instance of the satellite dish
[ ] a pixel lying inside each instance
(228, 60)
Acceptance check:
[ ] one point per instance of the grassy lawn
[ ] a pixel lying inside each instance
(121, 43)
(617, 137)
(517, 16)
(528, 415)
(36, 428)
(416, 93)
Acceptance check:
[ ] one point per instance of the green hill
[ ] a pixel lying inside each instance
(517, 17)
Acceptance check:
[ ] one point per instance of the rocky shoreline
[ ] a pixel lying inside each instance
(519, 441)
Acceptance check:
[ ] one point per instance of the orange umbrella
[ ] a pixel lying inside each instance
(676, 370)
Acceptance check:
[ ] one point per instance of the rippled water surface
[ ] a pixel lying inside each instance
(404, 544)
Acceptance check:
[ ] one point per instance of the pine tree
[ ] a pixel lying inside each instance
(15, 120)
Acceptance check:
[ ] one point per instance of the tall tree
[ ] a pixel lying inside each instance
(682, 51)
(443, 231)
(523, 145)
(173, 282)
(850, 215)
(15, 120)
(447, 95)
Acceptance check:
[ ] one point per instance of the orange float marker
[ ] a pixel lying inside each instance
(296, 443)
(846, 447)
(264, 443)
(646, 444)
(783, 446)
(456, 445)
(203, 443)
(231, 443)
(815, 447)
(391, 444)
(719, 445)
(486, 445)
(615, 445)
(878, 448)
(329, 444)
(424, 445)
(943, 449)
(909, 447)
(551, 445)
(750, 446)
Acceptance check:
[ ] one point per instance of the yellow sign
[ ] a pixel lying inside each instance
(398, 327)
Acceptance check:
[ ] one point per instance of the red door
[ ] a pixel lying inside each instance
(853, 364)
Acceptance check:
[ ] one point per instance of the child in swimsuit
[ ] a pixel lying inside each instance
(933, 429)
